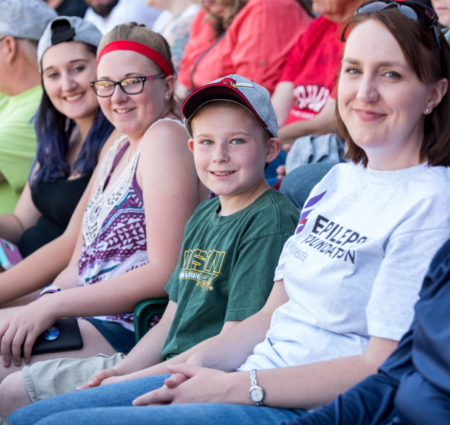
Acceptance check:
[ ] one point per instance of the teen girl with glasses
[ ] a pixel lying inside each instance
(127, 233)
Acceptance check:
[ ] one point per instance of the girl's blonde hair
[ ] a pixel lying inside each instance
(132, 31)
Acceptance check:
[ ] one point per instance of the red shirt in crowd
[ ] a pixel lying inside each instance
(313, 66)
(255, 45)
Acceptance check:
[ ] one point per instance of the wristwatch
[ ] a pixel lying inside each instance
(256, 392)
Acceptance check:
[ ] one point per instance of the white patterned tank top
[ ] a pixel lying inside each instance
(114, 232)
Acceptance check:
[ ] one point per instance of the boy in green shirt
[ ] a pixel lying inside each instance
(230, 248)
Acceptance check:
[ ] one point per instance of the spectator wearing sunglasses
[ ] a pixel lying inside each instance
(348, 279)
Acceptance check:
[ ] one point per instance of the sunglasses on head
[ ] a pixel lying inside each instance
(418, 12)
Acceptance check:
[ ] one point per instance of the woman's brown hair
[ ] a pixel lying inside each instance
(430, 64)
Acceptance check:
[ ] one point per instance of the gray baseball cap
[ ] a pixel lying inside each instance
(237, 89)
(68, 28)
(24, 18)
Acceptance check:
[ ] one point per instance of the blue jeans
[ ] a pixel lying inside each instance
(299, 182)
(111, 405)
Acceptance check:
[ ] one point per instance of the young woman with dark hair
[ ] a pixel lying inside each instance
(71, 131)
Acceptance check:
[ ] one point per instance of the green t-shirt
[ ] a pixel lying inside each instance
(226, 267)
(17, 144)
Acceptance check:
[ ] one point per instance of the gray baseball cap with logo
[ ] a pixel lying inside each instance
(24, 18)
(237, 89)
(68, 28)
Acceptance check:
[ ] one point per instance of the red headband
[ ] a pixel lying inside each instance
(139, 48)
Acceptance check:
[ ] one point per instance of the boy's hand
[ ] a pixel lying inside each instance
(100, 378)
(188, 384)
(23, 327)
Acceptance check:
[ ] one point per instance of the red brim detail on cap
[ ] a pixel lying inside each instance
(216, 91)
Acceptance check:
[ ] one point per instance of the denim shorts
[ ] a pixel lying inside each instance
(120, 338)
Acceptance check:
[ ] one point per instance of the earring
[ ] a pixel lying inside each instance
(427, 111)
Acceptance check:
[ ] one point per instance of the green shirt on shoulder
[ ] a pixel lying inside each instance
(17, 144)
(226, 267)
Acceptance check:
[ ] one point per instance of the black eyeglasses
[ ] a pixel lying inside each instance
(129, 85)
(418, 12)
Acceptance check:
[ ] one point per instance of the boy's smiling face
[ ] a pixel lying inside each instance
(230, 151)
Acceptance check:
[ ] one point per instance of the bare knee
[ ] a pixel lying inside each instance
(13, 394)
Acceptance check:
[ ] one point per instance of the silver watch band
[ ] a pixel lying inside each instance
(256, 392)
(253, 380)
